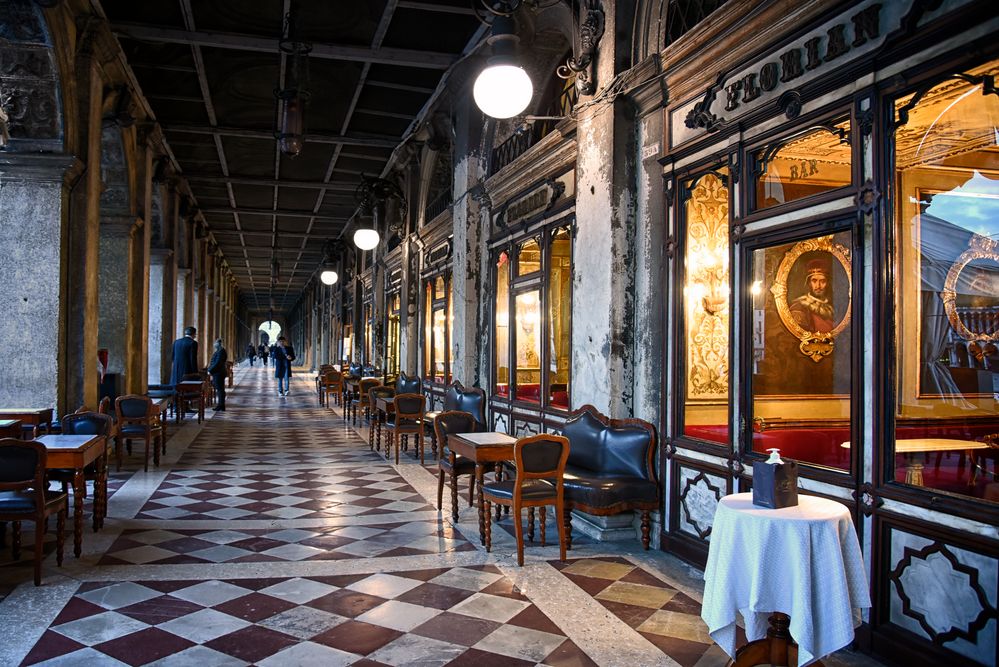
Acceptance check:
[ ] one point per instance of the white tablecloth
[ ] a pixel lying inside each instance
(803, 561)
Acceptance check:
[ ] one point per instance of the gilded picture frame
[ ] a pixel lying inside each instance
(814, 344)
(979, 247)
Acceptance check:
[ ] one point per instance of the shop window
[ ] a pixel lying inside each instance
(946, 152)
(348, 349)
(502, 337)
(392, 361)
(706, 309)
(437, 331)
(533, 346)
(560, 309)
(368, 348)
(528, 257)
(801, 357)
(810, 163)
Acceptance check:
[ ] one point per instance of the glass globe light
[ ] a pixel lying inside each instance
(503, 90)
(328, 277)
(366, 239)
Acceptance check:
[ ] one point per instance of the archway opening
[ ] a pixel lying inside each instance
(269, 332)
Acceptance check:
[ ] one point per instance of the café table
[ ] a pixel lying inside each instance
(352, 385)
(76, 452)
(482, 448)
(10, 428)
(909, 446)
(34, 417)
(162, 405)
(190, 388)
(798, 569)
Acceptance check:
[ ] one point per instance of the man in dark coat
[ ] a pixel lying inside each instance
(218, 369)
(185, 356)
(283, 354)
(262, 352)
(251, 352)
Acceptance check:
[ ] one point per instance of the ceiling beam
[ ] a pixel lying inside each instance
(269, 182)
(283, 235)
(267, 211)
(371, 141)
(400, 86)
(242, 42)
(435, 7)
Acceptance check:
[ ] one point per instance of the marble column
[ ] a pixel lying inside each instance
(34, 202)
(184, 290)
(161, 314)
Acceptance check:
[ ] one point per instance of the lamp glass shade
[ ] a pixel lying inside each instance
(328, 277)
(292, 122)
(503, 90)
(366, 239)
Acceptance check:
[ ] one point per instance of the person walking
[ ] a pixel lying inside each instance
(262, 353)
(185, 356)
(251, 353)
(218, 369)
(283, 355)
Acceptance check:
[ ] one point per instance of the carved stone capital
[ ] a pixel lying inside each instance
(120, 226)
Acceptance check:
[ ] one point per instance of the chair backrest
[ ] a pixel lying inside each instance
(408, 384)
(380, 391)
(354, 370)
(452, 421)
(132, 407)
(612, 446)
(104, 407)
(368, 370)
(541, 457)
(470, 399)
(22, 465)
(366, 385)
(86, 423)
(410, 406)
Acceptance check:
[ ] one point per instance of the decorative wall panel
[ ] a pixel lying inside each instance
(699, 492)
(945, 594)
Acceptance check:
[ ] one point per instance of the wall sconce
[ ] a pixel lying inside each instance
(372, 194)
(328, 276)
(707, 281)
(295, 94)
(503, 89)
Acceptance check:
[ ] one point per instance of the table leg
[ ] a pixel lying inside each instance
(479, 471)
(101, 492)
(378, 431)
(777, 648)
(79, 490)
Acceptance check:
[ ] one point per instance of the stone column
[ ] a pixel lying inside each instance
(184, 290)
(137, 323)
(161, 314)
(603, 289)
(409, 319)
(469, 277)
(34, 202)
(115, 243)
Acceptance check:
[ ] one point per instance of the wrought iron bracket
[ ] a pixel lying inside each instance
(590, 28)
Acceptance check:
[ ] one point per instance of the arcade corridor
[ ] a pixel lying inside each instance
(271, 535)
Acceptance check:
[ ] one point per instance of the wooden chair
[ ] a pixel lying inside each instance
(449, 463)
(375, 423)
(138, 418)
(361, 400)
(333, 386)
(229, 366)
(321, 382)
(407, 420)
(980, 457)
(23, 497)
(540, 462)
(188, 397)
(86, 423)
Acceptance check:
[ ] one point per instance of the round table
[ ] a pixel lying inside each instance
(803, 562)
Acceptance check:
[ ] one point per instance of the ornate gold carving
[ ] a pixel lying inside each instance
(814, 344)
(707, 289)
(979, 247)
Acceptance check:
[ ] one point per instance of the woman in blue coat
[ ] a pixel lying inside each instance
(283, 354)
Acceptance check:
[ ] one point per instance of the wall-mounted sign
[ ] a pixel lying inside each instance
(536, 201)
(857, 32)
(438, 254)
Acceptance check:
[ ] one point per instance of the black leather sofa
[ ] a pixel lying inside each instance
(611, 467)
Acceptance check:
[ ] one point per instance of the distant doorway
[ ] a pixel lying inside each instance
(269, 332)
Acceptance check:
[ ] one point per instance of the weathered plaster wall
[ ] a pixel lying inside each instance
(113, 296)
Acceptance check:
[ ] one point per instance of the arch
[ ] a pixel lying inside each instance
(268, 332)
(30, 93)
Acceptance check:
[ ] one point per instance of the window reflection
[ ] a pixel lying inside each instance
(815, 162)
(801, 351)
(437, 330)
(393, 334)
(559, 307)
(528, 257)
(947, 287)
(706, 310)
(527, 343)
(502, 337)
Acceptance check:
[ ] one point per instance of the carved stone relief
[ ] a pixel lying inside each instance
(699, 496)
(500, 423)
(526, 429)
(945, 594)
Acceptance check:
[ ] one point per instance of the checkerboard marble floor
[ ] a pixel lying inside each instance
(271, 535)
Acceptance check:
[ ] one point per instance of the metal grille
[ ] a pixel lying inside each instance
(683, 15)
(522, 140)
